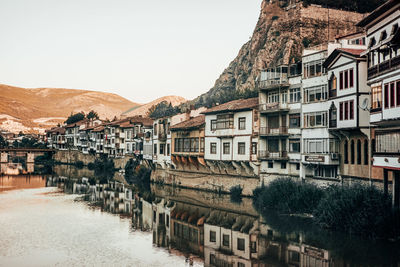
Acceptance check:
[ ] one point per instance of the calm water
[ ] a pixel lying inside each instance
(42, 226)
(44, 222)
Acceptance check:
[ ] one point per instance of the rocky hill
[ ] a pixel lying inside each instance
(283, 30)
(29, 110)
(143, 109)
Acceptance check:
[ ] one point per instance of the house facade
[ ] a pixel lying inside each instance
(231, 136)
(383, 76)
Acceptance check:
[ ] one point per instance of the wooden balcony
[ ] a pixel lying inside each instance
(266, 155)
(273, 107)
(268, 131)
(384, 67)
(280, 82)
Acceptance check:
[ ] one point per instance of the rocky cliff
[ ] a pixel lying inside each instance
(283, 29)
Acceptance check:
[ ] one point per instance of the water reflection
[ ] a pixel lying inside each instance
(208, 229)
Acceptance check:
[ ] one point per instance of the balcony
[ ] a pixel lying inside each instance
(384, 67)
(268, 131)
(273, 107)
(273, 83)
(266, 155)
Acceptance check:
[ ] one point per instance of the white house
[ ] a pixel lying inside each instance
(231, 134)
(383, 39)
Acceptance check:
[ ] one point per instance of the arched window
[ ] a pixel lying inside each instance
(352, 152)
(332, 116)
(346, 152)
(358, 151)
(366, 152)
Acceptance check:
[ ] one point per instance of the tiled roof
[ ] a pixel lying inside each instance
(235, 105)
(349, 51)
(355, 52)
(57, 130)
(195, 122)
(75, 124)
(98, 128)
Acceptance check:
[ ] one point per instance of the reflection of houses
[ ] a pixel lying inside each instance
(161, 222)
(231, 137)
(186, 228)
(383, 75)
(188, 144)
(280, 108)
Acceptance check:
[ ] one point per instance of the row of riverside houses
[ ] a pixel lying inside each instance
(115, 139)
(318, 119)
(335, 114)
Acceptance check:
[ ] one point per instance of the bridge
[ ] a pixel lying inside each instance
(29, 153)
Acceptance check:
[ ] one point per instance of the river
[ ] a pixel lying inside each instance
(45, 222)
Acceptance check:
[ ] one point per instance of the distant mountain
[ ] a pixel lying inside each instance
(29, 110)
(142, 110)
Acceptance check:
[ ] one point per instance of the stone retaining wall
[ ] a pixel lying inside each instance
(203, 181)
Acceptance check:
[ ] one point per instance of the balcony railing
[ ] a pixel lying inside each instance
(283, 130)
(282, 81)
(266, 155)
(383, 67)
(273, 107)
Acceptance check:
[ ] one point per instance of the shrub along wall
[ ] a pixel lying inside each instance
(356, 209)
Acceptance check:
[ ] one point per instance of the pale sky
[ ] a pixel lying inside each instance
(140, 50)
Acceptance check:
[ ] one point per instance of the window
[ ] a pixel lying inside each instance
(241, 264)
(224, 121)
(270, 164)
(226, 147)
(346, 110)
(167, 220)
(313, 68)
(315, 119)
(168, 149)
(253, 247)
(315, 94)
(346, 79)
(352, 152)
(162, 149)
(392, 94)
(294, 95)
(294, 146)
(358, 151)
(254, 148)
(213, 125)
(241, 148)
(346, 152)
(321, 146)
(376, 98)
(283, 165)
(297, 166)
(212, 259)
(366, 152)
(225, 240)
(213, 236)
(213, 148)
(240, 244)
(242, 123)
(155, 148)
(325, 171)
(294, 121)
(273, 97)
(154, 216)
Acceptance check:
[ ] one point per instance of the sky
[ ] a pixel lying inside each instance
(139, 49)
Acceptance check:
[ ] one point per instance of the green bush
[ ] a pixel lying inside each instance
(275, 17)
(79, 164)
(236, 193)
(356, 209)
(287, 196)
(90, 166)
